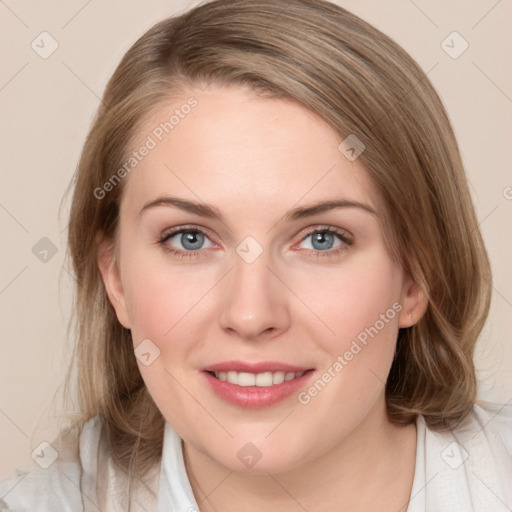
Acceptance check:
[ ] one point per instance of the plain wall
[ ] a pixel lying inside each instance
(47, 106)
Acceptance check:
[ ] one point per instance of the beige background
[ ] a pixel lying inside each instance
(46, 108)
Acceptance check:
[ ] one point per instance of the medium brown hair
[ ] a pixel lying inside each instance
(360, 82)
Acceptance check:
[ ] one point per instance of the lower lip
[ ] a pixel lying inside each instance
(256, 397)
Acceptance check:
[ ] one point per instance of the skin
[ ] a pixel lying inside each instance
(254, 159)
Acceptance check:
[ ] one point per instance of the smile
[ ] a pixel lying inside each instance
(265, 379)
(254, 387)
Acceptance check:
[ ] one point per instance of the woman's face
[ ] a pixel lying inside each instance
(260, 285)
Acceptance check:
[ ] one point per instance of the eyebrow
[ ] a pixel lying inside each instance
(209, 211)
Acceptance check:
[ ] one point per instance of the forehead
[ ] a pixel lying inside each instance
(228, 147)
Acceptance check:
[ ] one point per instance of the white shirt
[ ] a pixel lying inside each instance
(467, 469)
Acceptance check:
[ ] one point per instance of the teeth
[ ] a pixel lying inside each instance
(277, 377)
(261, 379)
(246, 379)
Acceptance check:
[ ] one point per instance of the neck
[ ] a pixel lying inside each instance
(370, 469)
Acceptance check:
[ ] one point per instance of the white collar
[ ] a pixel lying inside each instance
(175, 492)
(461, 470)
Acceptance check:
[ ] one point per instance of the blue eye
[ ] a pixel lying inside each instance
(323, 240)
(192, 240)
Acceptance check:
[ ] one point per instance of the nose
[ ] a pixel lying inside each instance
(255, 300)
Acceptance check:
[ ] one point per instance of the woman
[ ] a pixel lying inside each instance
(280, 280)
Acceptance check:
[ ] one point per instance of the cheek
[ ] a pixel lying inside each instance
(151, 300)
(362, 308)
(359, 304)
(161, 304)
(162, 297)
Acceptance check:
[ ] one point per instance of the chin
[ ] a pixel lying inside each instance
(259, 456)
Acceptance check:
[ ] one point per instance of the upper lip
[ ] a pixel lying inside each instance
(254, 367)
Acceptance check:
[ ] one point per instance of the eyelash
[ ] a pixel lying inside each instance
(347, 242)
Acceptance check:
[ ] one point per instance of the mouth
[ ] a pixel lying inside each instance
(255, 385)
(264, 379)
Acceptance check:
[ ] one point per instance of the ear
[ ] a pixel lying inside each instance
(414, 302)
(110, 274)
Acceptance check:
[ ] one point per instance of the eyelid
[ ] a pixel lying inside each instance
(326, 227)
(347, 240)
(186, 227)
(303, 234)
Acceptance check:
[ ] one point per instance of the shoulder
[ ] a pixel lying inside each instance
(468, 467)
(55, 480)
(500, 417)
(486, 436)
